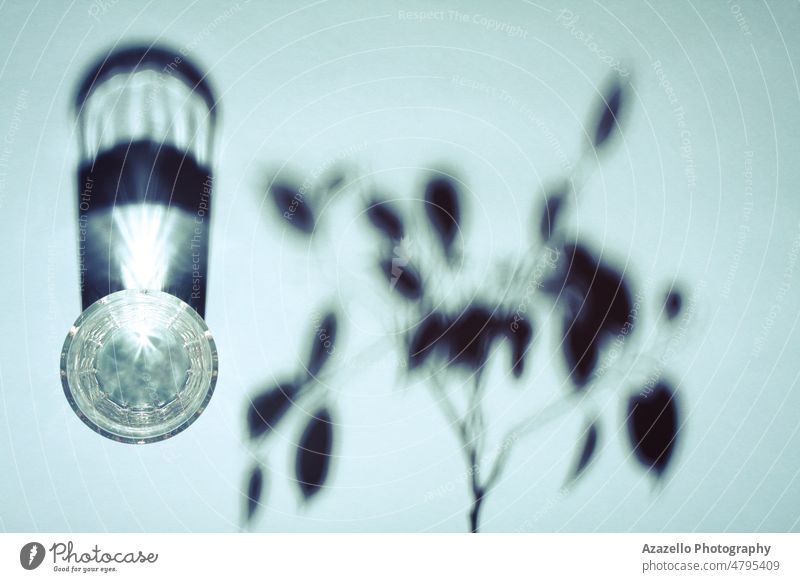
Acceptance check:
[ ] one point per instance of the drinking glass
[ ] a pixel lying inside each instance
(139, 364)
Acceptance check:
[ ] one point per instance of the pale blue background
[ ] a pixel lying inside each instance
(309, 84)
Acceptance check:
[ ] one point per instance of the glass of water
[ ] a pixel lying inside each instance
(139, 364)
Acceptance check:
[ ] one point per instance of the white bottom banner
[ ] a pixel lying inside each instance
(378, 557)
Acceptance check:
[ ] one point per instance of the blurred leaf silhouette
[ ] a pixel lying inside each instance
(402, 277)
(424, 339)
(610, 110)
(321, 346)
(268, 407)
(554, 202)
(598, 305)
(559, 282)
(293, 206)
(443, 209)
(470, 335)
(590, 436)
(653, 426)
(335, 180)
(385, 219)
(314, 453)
(580, 351)
(254, 488)
(673, 303)
(520, 334)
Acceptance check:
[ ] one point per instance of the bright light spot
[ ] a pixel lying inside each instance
(145, 231)
(143, 330)
(143, 339)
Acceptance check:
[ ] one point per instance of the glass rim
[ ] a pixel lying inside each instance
(101, 304)
(132, 58)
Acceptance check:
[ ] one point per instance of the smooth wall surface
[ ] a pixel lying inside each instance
(701, 187)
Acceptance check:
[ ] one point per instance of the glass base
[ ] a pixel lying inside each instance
(139, 366)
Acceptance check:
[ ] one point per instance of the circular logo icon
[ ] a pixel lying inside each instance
(31, 555)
